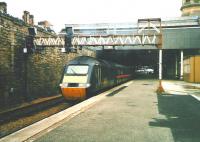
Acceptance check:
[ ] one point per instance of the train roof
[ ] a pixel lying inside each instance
(92, 61)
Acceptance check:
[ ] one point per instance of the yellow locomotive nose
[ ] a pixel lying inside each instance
(74, 93)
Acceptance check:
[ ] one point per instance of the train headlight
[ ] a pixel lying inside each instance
(64, 85)
(86, 85)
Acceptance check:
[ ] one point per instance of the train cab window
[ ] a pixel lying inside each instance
(77, 70)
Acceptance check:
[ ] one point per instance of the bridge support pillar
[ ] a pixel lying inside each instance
(160, 87)
(160, 64)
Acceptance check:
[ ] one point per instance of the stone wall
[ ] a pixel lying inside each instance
(25, 77)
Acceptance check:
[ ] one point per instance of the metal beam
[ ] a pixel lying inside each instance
(160, 64)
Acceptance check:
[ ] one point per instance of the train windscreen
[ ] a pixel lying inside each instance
(77, 70)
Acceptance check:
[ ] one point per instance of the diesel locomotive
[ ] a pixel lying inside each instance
(84, 76)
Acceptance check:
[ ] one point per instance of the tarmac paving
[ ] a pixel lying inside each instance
(181, 88)
(134, 114)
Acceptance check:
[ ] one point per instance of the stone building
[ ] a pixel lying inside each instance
(190, 8)
(3, 7)
(20, 73)
(26, 17)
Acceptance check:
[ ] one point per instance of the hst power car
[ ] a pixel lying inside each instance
(84, 76)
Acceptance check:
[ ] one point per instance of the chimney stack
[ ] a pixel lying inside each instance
(3, 7)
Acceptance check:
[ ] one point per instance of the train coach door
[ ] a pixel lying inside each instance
(97, 78)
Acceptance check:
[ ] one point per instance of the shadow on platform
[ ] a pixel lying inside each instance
(180, 113)
(116, 91)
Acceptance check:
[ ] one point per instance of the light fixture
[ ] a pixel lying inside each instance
(24, 50)
(63, 50)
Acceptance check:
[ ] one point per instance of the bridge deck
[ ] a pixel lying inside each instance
(178, 33)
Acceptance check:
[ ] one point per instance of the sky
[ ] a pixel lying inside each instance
(61, 12)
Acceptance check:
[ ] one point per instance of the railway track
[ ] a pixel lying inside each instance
(15, 119)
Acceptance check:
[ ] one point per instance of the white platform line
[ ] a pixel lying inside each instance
(198, 98)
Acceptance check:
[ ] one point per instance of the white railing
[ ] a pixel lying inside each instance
(116, 40)
(49, 41)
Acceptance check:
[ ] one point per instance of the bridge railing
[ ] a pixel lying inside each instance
(116, 40)
(49, 41)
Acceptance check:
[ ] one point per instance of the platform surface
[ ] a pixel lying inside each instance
(134, 114)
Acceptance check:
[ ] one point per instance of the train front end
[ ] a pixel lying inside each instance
(75, 84)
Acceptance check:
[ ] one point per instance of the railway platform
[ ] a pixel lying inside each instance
(134, 113)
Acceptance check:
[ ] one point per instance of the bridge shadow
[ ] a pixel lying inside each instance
(180, 113)
(116, 91)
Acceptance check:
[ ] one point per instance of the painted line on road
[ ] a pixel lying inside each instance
(37, 129)
(198, 98)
